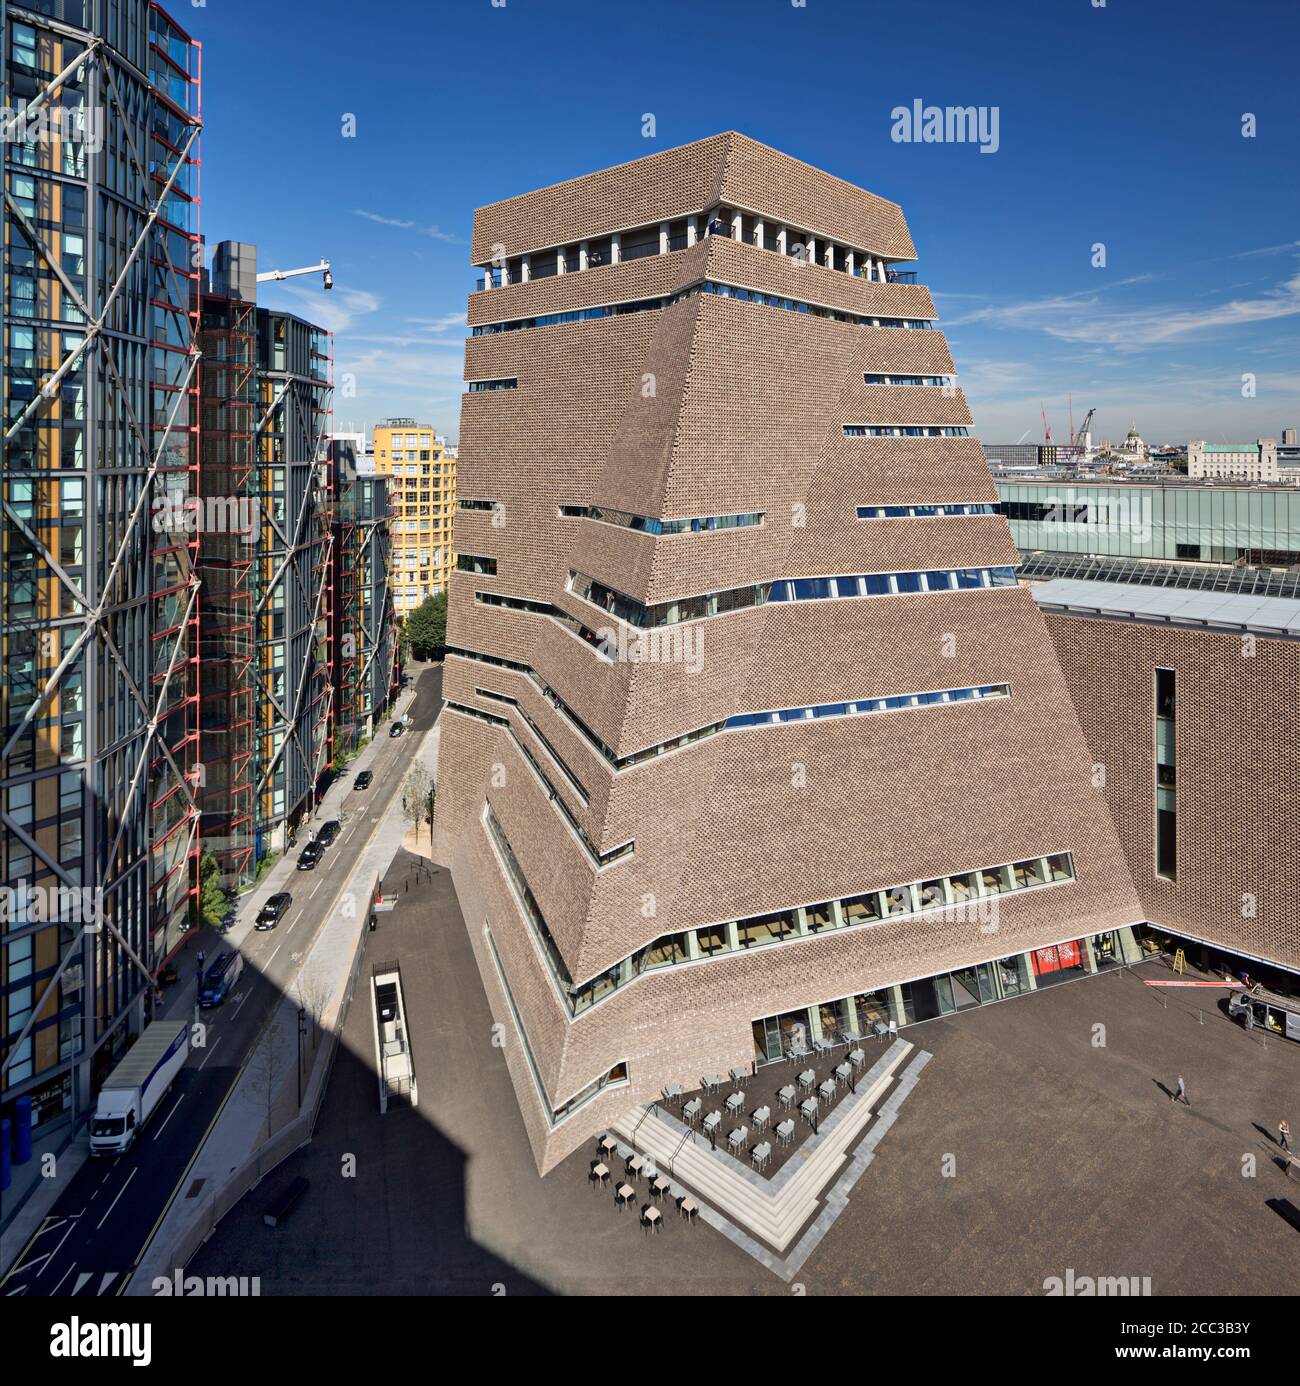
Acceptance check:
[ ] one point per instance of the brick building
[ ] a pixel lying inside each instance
(751, 735)
(1190, 701)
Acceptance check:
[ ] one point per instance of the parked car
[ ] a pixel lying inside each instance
(274, 910)
(220, 978)
(397, 729)
(167, 975)
(309, 856)
(328, 832)
(363, 779)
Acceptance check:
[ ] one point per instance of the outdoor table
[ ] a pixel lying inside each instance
(880, 1029)
(634, 1164)
(822, 1046)
(786, 1096)
(650, 1217)
(673, 1092)
(843, 1073)
(600, 1172)
(739, 1075)
(850, 1036)
(692, 1109)
(807, 1078)
(827, 1089)
(761, 1117)
(809, 1108)
(609, 1145)
(760, 1155)
(712, 1083)
(798, 1052)
(735, 1102)
(660, 1187)
(687, 1209)
(625, 1195)
(857, 1058)
(785, 1131)
(738, 1138)
(713, 1121)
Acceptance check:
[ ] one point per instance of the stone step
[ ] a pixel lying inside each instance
(726, 1182)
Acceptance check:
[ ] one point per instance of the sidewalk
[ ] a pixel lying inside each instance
(238, 1151)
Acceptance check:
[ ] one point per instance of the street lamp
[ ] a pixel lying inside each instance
(302, 1020)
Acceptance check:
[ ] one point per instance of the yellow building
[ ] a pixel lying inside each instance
(422, 502)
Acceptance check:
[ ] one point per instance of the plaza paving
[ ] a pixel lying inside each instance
(1026, 1149)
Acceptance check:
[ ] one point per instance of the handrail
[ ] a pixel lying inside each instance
(652, 1107)
(687, 1135)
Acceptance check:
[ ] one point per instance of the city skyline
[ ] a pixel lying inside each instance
(1098, 141)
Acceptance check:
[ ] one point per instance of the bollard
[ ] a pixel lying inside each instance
(23, 1133)
(6, 1172)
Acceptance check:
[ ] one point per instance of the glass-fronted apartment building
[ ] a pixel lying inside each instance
(421, 473)
(268, 567)
(294, 571)
(363, 639)
(98, 704)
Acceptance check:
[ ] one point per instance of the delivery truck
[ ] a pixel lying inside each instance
(137, 1085)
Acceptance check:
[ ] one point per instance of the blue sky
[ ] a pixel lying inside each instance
(1118, 123)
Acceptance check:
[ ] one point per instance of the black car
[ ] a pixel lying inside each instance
(397, 729)
(363, 779)
(274, 910)
(309, 856)
(328, 832)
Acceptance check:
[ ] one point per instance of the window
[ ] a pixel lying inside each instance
(762, 929)
(1166, 786)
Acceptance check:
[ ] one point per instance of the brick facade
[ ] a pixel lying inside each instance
(714, 406)
(1238, 875)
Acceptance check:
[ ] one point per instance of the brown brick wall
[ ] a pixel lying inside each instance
(686, 180)
(1238, 771)
(745, 414)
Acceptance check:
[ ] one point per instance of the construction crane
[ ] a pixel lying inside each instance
(1047, 428)
(322, 268)
(1077, 444)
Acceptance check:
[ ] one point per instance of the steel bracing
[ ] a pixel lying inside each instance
(309, 566)
(117, 638)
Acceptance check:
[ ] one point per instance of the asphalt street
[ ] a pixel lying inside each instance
(101, 1224)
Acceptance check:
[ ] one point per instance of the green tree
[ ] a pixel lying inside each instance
(212, 899)
(425, 630)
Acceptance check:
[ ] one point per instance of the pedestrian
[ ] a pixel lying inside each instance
(1284, 1135)
(201, 956)
(1180, 1091)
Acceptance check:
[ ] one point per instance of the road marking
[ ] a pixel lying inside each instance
(21, 1290)
(82, 1278)
(212, 1047)
(271, 959)
(63, 1277)
(242, 999)
(105, 1281)
(169, 1116)
(113, 1205)
(319, 883)
(44, 1261)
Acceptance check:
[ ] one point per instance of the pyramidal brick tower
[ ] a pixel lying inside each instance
(751, 737)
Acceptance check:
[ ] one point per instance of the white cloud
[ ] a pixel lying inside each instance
(436, 326)
(1085, 318)
(335, 310)
(434, 232)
